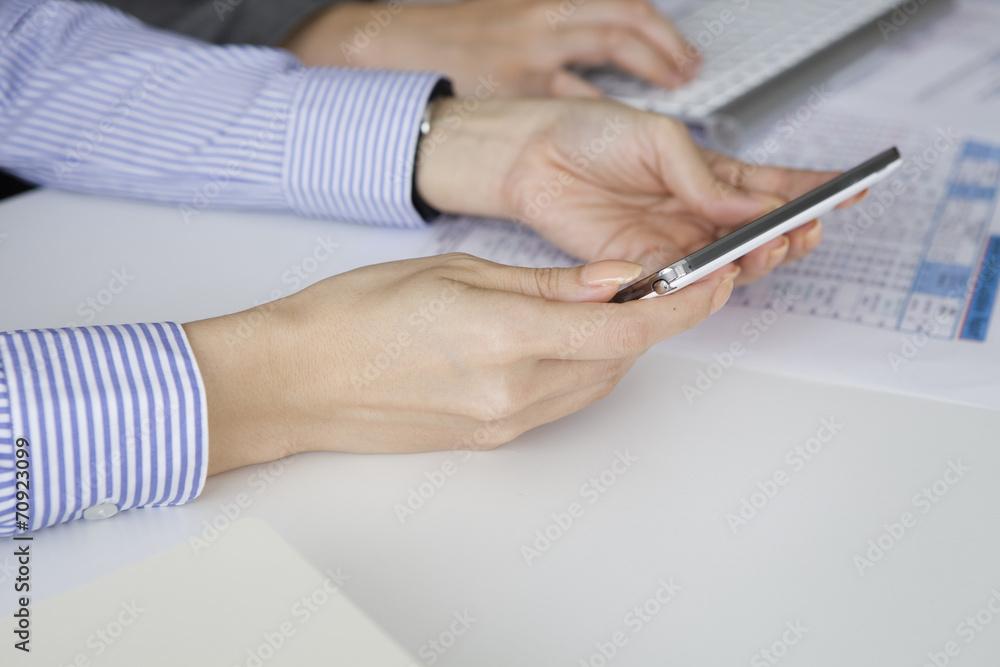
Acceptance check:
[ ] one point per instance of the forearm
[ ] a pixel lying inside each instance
(101, 104)
(262, 22)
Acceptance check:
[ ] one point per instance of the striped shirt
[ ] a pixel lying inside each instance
(92, 100)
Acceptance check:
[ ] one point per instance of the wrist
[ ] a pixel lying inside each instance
(465, 157)
(317, 41)
(234, 361)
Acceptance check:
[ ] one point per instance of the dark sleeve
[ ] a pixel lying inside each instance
(264, 22)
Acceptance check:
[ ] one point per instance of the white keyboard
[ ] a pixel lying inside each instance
(762, 39)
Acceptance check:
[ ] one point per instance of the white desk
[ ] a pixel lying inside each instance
(665, 517)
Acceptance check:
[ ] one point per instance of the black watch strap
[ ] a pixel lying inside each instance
(426, 211)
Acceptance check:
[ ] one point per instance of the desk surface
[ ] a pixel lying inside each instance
(820, 547)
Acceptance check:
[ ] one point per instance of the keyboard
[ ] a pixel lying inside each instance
(744, 44)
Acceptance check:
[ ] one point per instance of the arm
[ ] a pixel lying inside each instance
(527, 45)
(93, 101)
(263, 22)
(108, 418)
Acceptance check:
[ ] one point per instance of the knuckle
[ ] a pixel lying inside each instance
(502, 434)
(618, 368)
(605, 390)
(629, 336)
(495, 337)
(501, 403)
(638, 9)
(612, 38)
(460, 261)
(547, 281)
(672, 127)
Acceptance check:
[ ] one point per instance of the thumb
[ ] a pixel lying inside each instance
(566, 84)
(597, 281)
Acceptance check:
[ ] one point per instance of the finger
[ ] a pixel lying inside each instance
(639, 16)
(550, 378)
(558, 407)
(803, 240)
(629, 329)
(861, 196)
(596, 281)
(596, 45)
(786, 184)
(567, 84)
(761, 261)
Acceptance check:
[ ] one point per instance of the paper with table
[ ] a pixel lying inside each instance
(901, 294)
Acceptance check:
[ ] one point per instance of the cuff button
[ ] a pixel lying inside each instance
(100, 511)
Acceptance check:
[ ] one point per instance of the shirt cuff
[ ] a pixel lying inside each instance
(359, 168)
(109, 416)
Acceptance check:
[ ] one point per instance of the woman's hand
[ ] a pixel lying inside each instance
(602, 180)
(435, 353)
(523, 45)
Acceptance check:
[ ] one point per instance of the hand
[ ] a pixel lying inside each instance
(523, 45)
(442, 352)
(601, 180)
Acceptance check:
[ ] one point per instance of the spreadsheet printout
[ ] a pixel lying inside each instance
(911, 256)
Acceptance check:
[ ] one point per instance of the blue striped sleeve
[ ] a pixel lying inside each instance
(91, 100)
(110, 416)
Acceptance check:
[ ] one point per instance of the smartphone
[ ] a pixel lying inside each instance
(754, 234)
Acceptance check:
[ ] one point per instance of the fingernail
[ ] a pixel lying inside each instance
(814, 235)
(722, 294)
(732, 273)
(775, 256)
(609, 272)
